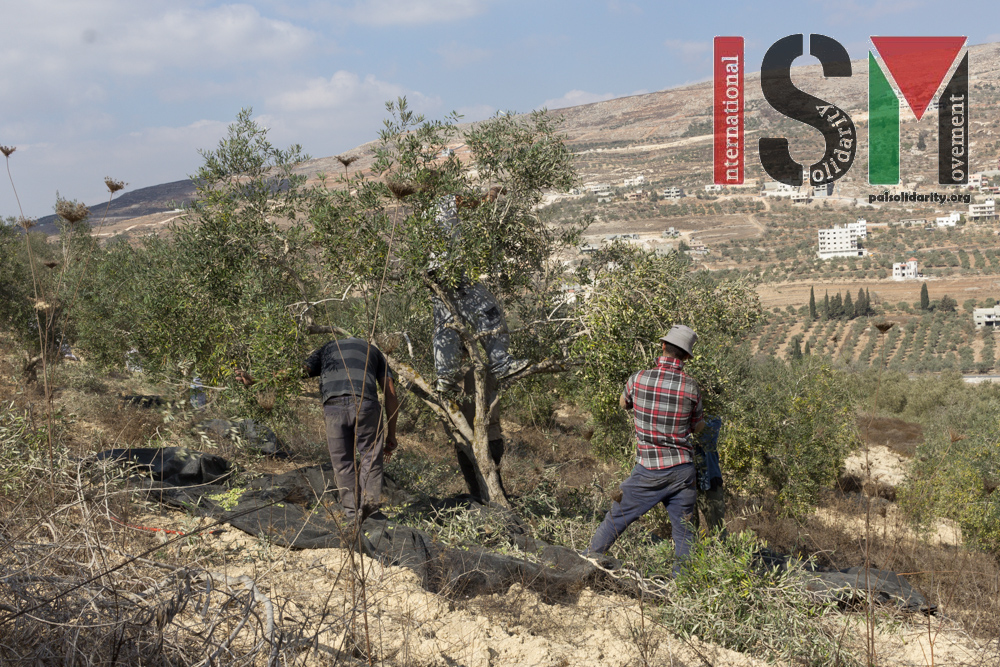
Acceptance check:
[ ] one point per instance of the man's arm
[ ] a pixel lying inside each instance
(625, 400)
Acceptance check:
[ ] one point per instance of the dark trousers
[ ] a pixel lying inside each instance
(355, 438)
(644, 488)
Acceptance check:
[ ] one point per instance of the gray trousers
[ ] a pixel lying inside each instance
(355, 438)
(481, 309)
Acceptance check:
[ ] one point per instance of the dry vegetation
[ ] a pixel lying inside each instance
(94, 574)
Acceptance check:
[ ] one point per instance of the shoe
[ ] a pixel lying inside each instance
(513, 367)
(448, 388)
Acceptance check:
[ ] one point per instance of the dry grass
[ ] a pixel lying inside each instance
(900, 436)
(964, 584)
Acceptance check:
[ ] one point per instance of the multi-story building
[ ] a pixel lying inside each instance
(905, 270)
(986, 317)
(859, 227)
(839, 242)
(672, 193)
(634, 181)
(985, 211)
(949, 220)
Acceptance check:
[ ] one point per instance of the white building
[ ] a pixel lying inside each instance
(596, 187)
(672, 193)
(713, 187)
(949, 220)
(801, 198)
(976, 181)
(839, 242)
(633, 182)
(905, 270)
(825, 190)
(777, 190)
(986, 317)
(859, 228)
(985, 211)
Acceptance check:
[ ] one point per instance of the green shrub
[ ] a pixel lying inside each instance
(788, 430)
(726, 596)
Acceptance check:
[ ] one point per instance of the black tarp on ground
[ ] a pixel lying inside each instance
(278, 507)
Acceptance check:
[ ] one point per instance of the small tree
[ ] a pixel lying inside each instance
(381, 236)
(812, 304)
(925, 299)
(636, 301)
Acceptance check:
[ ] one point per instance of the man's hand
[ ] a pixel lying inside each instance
(390, 447)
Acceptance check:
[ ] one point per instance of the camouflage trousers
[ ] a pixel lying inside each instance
(480, 309)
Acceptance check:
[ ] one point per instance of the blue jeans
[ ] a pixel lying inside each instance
(644, 488)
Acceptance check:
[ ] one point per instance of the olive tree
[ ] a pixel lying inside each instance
(382, 239)
(212, 295)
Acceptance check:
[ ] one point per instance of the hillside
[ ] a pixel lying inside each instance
(665, 137)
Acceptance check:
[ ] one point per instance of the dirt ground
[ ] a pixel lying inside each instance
(959, 288)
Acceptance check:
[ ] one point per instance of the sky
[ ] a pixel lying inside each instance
(132, 90)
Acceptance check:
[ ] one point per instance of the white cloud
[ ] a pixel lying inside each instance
(410, 12)
(477, 112)
(331, 115)
(577, 97)
(64, 54)
(214, 38)
(76, 168)
(342, 90)
(456, 56)
(690, 52)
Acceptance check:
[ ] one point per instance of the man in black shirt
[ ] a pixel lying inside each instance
(350, 370)
(350, 373)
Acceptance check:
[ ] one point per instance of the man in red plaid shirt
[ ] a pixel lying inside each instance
(667, 408)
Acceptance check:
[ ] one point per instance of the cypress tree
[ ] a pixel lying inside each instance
(925, 299)
(868, 303)
(807, 348)
(826, 305)
(861, 305)
(812, 304)
(848, 306)
(836, 308)
(796, 348)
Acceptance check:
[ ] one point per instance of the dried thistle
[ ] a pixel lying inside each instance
(399, 189)
(267, 400)
(884, 326)
(70, 211)
(42, 306)
(348, 160)
(113, 185)
(26, 223)
(7, 150)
